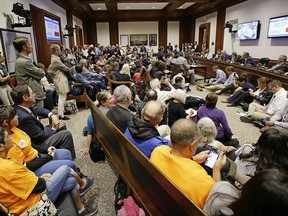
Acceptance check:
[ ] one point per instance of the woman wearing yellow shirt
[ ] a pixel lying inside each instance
(39, 163)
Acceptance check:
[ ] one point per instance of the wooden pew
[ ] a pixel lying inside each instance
(152, 190)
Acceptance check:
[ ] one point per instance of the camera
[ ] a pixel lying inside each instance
(19, 10)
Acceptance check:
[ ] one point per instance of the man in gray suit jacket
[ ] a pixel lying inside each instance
(26, 72)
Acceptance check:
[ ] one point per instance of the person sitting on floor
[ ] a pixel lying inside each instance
(258, 112)
(219, 79)
(262, 95)
(23, 196)
(224, 133)
(145, 132)
(243, 86)
(182, 167)
(269, 152)
(232, 77)
(208, 133)
(279, 121)
(29, 122)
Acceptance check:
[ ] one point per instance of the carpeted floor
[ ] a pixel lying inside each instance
(105, 176)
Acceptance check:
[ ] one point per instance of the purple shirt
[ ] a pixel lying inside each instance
(219, 119)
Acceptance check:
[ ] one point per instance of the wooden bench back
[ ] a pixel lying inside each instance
(153, 191)
(113, 84)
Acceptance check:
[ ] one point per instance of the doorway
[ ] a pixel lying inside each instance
(204, 36)
(79, 36)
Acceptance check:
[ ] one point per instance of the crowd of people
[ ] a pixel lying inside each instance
(176, 131)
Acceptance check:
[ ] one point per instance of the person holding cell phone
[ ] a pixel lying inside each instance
(182, 167)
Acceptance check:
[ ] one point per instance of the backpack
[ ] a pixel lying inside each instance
(70, 107)
(120, 191)
(130, 208)
(96, 153)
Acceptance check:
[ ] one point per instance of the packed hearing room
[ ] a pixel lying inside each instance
(148, 107)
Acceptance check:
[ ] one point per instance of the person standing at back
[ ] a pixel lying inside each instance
(26, 72)
(61, 71)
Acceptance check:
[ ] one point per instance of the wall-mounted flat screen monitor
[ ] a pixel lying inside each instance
(248, 30)
(52, 27)
(278, 27)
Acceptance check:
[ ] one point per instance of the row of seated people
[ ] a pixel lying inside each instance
(281, 67)
(36, 162)
(261, 102)
(173, 152)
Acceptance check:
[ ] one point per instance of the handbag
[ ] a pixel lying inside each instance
(44, 207)
(96, 153)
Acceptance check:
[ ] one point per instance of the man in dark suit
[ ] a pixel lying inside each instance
(57, 136)
(120, 115)
(248, 60)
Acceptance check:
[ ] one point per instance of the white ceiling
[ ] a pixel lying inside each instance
(138, 6)
(98, 6)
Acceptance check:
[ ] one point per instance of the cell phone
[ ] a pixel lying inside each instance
(213, 155)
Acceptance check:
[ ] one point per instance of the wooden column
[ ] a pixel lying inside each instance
(187, 30)
(162, 28)
(114, 35)
(90, 31)
(69, 18)
(221, 14)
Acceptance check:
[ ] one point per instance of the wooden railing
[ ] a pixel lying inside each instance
(152, 190)
(253, 72)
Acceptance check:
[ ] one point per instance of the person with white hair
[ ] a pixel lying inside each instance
(208, 132)
(120, 115)
(176, 109)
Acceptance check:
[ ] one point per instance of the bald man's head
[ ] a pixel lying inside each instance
(184, 132)
(152, 112)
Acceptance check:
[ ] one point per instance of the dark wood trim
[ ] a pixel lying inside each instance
(221, 14)
(69, 17)
(79, 35)
(90, 31)
(252, 72)
(162, 32)
(187, 30)
(114, 32)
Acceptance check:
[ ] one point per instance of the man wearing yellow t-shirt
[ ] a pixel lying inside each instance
(184, 172)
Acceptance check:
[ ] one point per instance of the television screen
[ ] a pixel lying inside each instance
(52, 27)
(278, 27)
(248, 30)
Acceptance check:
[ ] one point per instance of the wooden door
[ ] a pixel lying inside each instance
(204, 36)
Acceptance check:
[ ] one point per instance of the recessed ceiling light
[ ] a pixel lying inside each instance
(99, 8)
(153, 7)
(128, 7)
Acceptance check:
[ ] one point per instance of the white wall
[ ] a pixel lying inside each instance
(212, 19)
(6, 7)
(103, 35)
(257, 10)
(127, 28)
(173, 28)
